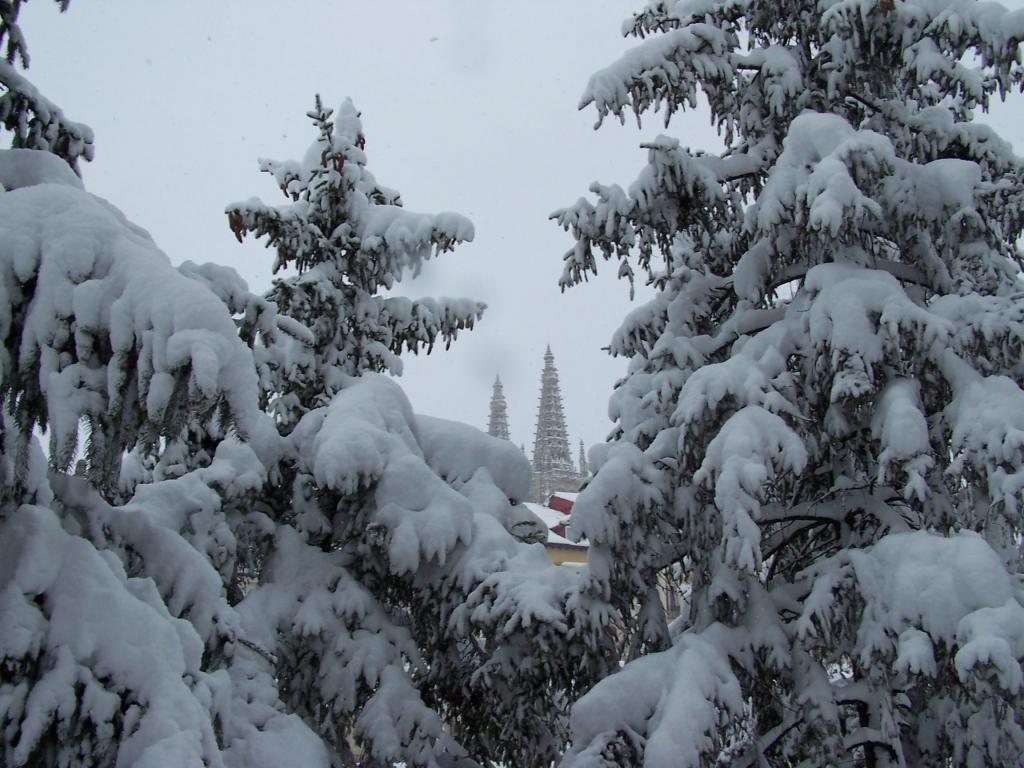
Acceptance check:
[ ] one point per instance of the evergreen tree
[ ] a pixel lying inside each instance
(823, 419)
(394, 605)
(118, 645)
(347, 238)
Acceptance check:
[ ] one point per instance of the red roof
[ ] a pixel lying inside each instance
(560, 503)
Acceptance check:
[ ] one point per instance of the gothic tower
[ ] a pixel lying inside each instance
(553, 468)
(497, 426)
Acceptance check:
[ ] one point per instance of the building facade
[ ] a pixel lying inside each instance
(555, 515)
(553, 466)
(497, 424)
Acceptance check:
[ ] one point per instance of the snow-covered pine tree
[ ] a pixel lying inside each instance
(823, 419)
(394, 605)
(347, 238)
(118, 645)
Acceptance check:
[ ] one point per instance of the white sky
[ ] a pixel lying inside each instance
(467, 105)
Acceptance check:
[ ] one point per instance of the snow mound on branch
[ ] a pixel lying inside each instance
(424, 516)
(456, 451)
(365, 439)
(614, 88)
(858, 317)
(818, 173)
(955, 589)
(924, 594)
(29, 167)
(752, 446)
(987, 419)
(368, 437)
(627, 485)
(902, 430)
(354, 436)
(674, 701)
(944, 185)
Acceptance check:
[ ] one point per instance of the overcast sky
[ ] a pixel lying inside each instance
(467, 105)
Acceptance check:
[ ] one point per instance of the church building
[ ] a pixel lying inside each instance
(553, 467)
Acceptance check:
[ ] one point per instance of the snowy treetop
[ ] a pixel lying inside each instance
(357, 223)
(347, 239)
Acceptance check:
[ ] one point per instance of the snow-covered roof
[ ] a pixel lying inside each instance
(550, 517)
(554, 540)
(567, 495)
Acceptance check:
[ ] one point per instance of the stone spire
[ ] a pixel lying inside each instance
(497, 426)
(553, 468)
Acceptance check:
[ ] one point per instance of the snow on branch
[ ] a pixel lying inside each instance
(33, 120)
(679, 701)
(118, 668)
(37, 123)
(400, 594)
(100, 330)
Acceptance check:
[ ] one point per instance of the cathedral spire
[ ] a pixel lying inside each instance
(497, 425)
(553, 468)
